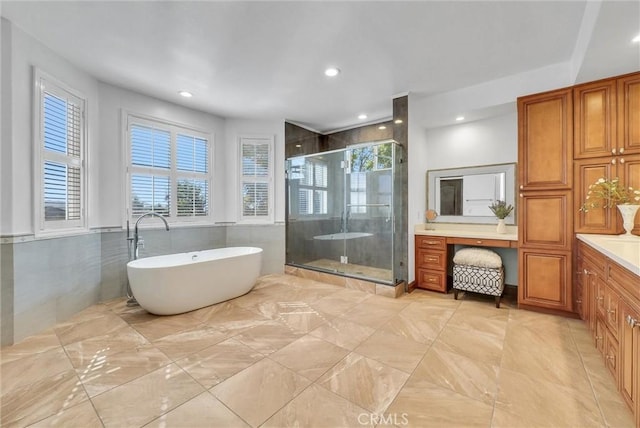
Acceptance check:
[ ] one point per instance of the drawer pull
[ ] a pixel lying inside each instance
(578, 301)
(431, 259)
(632, 321)
(611, 357)
(432, 242)
(611, 311)
(432, 279)
(598, 338)
(478, 242)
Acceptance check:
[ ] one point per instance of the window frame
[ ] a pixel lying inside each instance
(46, 83)
(269, 179)
(129, 119)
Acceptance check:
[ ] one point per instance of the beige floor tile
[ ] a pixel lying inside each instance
(393, 350)
(125, 338)
(317, 407)
(427, 405)
(48, 396)
(485, 348)
(309, 356)
(370, 316)
(343, 333)
(29, 369)
(103, 321)
(259, 391)
(268, 337)
(536, 402)
(45, 341)
(478, 320)
(202, 411)
(467, 376)
(228, 317)
(218, 362)
(144, 399)
(185, 342)
(297, 315)
(154, 327)
(340, 302)
(423, 329)
(365, 382)
(81, 415)
(105, 372)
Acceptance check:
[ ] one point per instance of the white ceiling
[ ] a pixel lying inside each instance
(265, 60)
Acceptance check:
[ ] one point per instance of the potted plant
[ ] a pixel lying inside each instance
(501, 210)
(611, 193)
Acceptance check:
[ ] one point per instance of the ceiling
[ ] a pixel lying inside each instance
(265, 60)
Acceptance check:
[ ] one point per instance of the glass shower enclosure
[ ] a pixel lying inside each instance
(340, 216)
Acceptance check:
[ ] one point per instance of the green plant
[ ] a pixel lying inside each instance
(609, 193)
(501, 209)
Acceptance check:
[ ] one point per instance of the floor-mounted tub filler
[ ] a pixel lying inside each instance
(177, 283)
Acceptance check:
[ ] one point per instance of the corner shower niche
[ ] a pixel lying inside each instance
(340, 216)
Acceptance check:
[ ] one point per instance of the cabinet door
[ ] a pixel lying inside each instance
(611, 355)
(545, 279)
(587, 172)
(545, 220)
(629, 114)
(545, 140)
(612, 300)
(629, 174)
(595, 125)
(629, 358)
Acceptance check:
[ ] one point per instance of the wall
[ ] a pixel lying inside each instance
(488, 141)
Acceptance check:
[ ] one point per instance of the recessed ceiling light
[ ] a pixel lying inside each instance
(636, 39)
(382, 127)
(332, 72)
(397, 121)
(459, 118)
(362, 116)
(186, 94)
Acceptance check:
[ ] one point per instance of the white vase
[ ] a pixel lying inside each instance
(628, 213)
(502, 228)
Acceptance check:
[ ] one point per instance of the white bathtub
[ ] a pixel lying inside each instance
(176, 283)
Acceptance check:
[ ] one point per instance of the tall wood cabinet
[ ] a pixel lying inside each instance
(545, 218)
(606, 145)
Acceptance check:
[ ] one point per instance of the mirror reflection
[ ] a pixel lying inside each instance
(463, 195)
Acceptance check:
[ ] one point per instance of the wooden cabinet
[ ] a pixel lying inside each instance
(545, 218)
(606, 145)
(614, 319)
(629, 114)
(431, 263)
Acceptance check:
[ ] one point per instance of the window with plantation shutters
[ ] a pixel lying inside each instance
(256, 178)
(60, 149)
(169, 171)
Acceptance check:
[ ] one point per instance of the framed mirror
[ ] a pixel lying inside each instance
(463, 195)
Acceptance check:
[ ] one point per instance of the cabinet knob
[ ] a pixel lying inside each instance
(613, 161)
(611, 311)
(611, 357)
(521, 195)
(622, 160)
(478, 242)
(613, 151)
(621, 151)
(598, 338)
(578, 301)
(632, 321)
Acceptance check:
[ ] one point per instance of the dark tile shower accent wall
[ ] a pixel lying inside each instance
(300, 141)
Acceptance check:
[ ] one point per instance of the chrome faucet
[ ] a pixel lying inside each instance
(136, 237)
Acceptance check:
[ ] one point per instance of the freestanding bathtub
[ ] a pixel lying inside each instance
(177, 283)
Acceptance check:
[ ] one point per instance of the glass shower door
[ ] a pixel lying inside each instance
(368, 222)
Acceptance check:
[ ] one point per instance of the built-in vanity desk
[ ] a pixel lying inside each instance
(607, 293)
(434, 249)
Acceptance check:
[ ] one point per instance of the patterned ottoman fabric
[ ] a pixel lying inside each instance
(478, 279)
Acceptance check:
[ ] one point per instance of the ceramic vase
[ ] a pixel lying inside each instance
(502, 228)
(628, 213)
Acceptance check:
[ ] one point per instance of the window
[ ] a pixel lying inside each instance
(169, 171)
(60, 176)
(362, 161)
(256, 178)
(311, 175)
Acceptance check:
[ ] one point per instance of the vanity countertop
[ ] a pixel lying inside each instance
(623, 250)
(479, 231)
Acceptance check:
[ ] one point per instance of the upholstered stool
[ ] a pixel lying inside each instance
(478, 270)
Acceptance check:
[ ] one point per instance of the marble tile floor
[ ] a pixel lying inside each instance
(369, 272)
(296, 352)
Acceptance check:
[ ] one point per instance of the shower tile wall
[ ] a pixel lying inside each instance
(46, 281)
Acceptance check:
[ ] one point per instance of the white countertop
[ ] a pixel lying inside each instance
(623, 250)
(480, 231)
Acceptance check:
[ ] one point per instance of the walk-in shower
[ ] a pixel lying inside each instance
(340, 211)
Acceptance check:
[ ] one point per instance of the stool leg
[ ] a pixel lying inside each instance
(455, 294)
(497, 301)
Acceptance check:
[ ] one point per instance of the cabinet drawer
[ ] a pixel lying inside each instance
(481, 242)
(428, 259)
(435, 242)
(432, 280)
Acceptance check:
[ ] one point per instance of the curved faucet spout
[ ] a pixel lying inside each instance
(135, 230)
